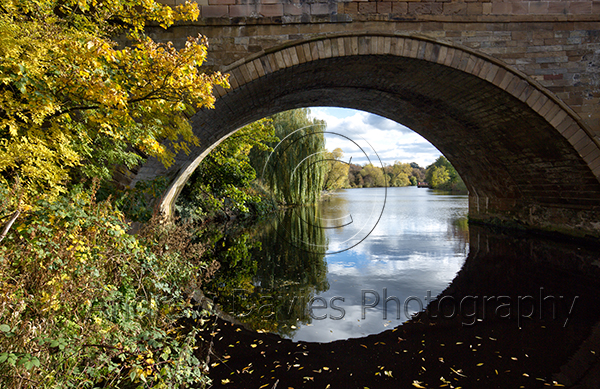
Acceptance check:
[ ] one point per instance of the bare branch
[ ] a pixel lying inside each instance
(9, 224)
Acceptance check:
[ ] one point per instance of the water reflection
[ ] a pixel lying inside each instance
(265, 281)
(522, 311)
(415, 250)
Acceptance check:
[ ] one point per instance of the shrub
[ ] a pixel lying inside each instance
(84, 304)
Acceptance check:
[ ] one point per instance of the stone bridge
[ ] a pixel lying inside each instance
(508, 91)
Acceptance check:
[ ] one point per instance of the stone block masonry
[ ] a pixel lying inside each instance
(556, 43)
(509, 86)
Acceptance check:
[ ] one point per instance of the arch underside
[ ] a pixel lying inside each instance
(517, 166)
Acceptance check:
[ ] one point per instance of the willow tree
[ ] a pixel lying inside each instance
(297, 167)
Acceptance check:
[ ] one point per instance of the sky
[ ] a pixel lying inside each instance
(379, 138)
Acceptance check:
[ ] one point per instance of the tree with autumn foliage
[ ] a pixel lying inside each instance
(82, 303)
(74, 104)
(337, 176)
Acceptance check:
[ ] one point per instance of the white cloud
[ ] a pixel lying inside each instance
(389, 140)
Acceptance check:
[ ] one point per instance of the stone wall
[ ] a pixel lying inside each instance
(562, 56)
(303, 10)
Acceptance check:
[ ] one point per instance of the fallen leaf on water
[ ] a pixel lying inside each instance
(388, 373)
(253, 345)
(459, 372)
(225, 381)
(364, 346)
(480, 364)
(417, 384)
(325, 368)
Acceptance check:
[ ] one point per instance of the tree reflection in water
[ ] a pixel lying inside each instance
(271, 294)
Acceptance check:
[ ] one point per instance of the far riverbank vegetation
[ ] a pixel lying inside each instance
(248, 174)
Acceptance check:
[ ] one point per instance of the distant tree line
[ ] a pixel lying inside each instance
(439, 175)
(398, 174)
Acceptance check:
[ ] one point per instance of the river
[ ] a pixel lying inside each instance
(421, 291)
(403, 245)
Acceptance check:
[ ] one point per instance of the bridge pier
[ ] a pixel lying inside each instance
(577, 221)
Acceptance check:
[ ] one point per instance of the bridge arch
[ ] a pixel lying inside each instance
(526, 157)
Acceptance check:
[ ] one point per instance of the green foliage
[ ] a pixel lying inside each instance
(296, 169)
(398, 174)
(442, 175)
(84, 304)
(439, 176)
(272, 294)
(222, 185)
(137, 203)
(337, 176)
(73, 104)
(373, 176)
